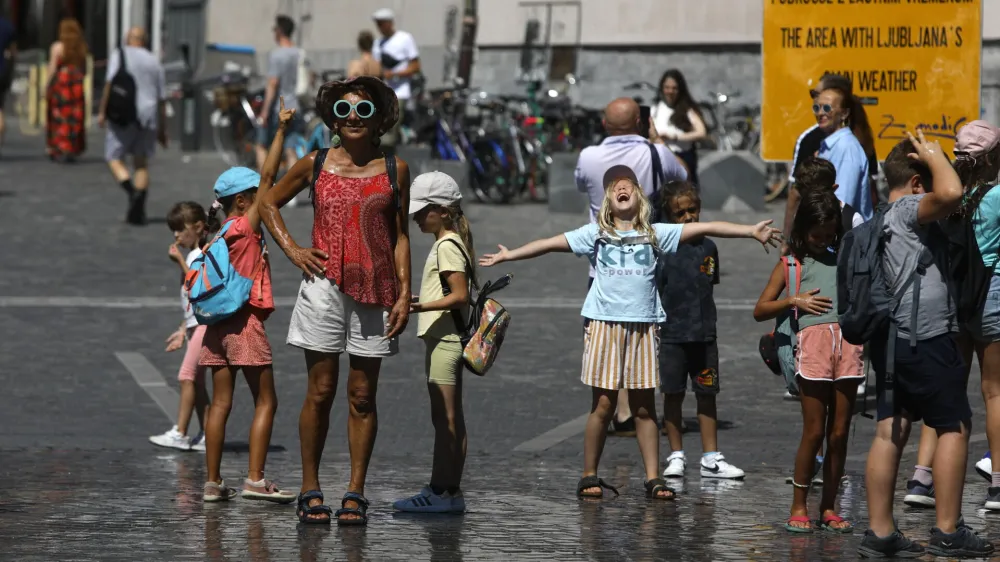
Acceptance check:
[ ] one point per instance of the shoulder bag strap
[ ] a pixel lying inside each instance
(318, 162)
(461, 325)
(390, 170)
(121, 55)
(654, 156)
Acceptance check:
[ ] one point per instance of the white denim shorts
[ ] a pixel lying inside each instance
(326, 320)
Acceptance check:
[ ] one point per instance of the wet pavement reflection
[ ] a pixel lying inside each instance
(119, 505)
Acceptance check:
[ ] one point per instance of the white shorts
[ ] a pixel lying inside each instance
(326, 320)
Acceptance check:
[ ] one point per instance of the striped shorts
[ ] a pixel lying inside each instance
(621, 355)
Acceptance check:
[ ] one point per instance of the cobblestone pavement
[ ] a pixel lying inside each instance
(81, 482)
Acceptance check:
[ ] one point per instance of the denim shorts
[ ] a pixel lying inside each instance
(988, 328)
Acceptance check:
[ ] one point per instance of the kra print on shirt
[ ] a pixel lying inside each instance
(625, 261)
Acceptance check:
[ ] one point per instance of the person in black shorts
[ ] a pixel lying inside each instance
(929, 375)
(688, 349)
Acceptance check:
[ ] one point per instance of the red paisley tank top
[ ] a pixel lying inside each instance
(354, 223)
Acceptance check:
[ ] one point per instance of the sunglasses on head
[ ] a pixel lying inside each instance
(813, 93)
(343, 108)
(825, 108)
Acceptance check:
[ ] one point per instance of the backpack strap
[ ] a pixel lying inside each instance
(461, 325)
(390, 170)
(318, 162)
(121, 55)
(657, 166)
(792, 265)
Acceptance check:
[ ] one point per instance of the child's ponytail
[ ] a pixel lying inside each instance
(461, 224)
(214, 220)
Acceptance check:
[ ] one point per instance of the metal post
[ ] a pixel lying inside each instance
(156, 34)
(114, 34)
(126, 18)
(467, 47)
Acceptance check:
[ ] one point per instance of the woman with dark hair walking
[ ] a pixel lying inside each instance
(676, 122)
(355, 295)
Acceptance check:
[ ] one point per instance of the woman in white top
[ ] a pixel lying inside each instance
(676, 121)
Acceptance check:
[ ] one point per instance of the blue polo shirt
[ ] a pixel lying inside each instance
(848, 156)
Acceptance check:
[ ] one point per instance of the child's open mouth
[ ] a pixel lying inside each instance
(623, 197)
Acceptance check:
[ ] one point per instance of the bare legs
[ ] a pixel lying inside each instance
(194, 397)
(450, 440)
(261, 383)
(362, 424)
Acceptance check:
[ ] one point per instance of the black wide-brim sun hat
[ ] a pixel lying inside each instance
(386, 104)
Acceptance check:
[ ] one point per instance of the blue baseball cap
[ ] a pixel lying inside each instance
(236, 180)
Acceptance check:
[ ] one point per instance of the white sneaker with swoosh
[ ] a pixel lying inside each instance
(715, 466)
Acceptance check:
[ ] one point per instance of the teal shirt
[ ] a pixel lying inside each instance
(819, 274)
(986, 225)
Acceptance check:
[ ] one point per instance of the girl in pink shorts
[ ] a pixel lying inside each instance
(239, 342)
(187, 220)
(828, 368)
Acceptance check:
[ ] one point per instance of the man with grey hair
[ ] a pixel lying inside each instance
(138, 137)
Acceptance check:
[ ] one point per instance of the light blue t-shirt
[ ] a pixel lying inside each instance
(624, 288)
(986, 225)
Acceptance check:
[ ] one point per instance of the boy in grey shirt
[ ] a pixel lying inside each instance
(929, 374)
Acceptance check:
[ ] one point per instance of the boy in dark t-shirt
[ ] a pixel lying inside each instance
(688, 349)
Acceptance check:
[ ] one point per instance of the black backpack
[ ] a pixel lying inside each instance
(865, 307)
(970, 276)
(121, 109)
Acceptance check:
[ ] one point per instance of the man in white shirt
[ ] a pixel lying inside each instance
(397, 51)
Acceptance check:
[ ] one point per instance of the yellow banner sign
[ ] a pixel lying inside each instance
(914, 63)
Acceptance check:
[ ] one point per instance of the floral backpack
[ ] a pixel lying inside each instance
(483, 335)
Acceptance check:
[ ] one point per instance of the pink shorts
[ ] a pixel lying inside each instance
(190, 370)
(238, 341)
(823, 355)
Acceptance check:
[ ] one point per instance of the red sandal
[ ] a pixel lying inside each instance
(798, 519)
(834, 518)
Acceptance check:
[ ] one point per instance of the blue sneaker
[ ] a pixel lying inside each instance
(918, 495)
(985, 467)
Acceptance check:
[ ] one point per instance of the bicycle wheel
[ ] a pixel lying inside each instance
(492, 176)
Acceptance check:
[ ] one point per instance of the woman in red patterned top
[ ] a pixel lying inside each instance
(355, 294)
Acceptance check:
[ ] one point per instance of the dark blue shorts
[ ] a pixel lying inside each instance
(930, 382)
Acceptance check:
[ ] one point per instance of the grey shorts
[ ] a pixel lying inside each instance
(131, 140)
(326, 320)
(987, 330)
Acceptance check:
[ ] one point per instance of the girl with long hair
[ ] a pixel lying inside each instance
(65, 101)
(676, 120)
(828, 368)
(622, 311)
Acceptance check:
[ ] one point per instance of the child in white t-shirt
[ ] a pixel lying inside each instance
(187, 221)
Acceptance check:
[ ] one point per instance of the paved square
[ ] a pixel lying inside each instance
(80, 291)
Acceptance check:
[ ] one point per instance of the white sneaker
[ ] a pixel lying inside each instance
(198, 442)
(172, 439)
(717, 467)
(429, 502)
(862, 389)
(676, 463)
(789, 397)
(984, 467)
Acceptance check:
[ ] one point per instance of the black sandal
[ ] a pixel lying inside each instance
(304, 510)
(593, 482)
(361, 511)
(657, 485)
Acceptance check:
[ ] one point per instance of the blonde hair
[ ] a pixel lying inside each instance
(74, 46)
(464, 229)
(606, 219)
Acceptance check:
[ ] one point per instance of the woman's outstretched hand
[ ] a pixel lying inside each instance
(489, 260)
(766, 234)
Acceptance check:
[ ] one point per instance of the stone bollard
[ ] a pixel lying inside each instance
(564, 197)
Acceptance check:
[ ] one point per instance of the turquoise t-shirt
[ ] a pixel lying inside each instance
(624, 288)
(986, 225)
